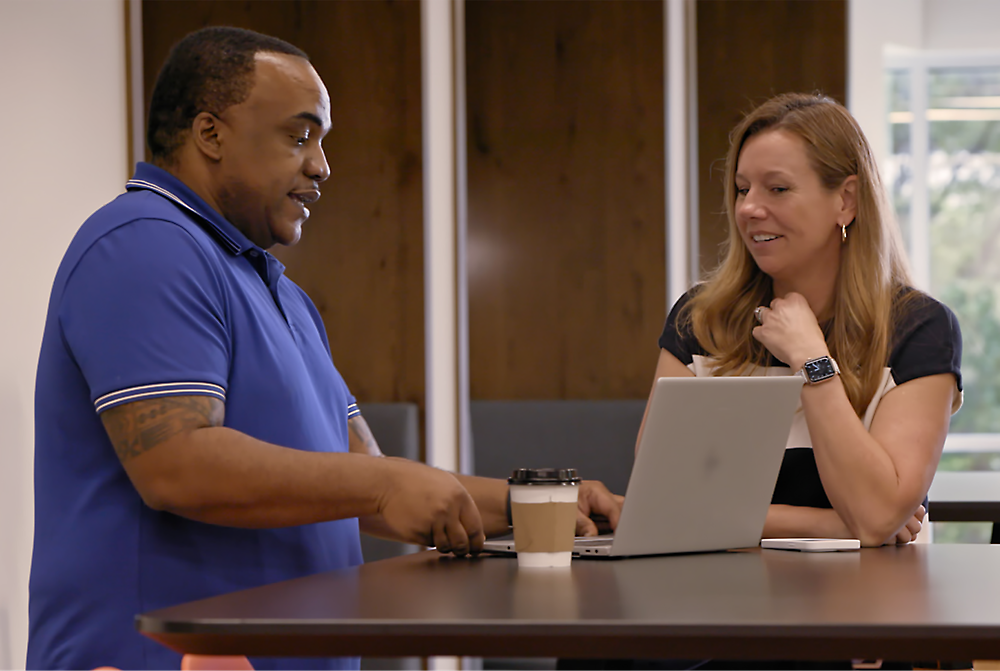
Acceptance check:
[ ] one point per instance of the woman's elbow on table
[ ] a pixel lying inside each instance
(882, 529)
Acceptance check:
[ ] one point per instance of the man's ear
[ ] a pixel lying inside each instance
(205, 133)
(848, 201)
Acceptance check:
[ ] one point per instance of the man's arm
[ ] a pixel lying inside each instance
(361, 440)
(182, 460)
(490, 494)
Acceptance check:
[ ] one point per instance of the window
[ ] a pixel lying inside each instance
(943, 175)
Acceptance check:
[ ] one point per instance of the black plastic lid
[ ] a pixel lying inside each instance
(544, 476)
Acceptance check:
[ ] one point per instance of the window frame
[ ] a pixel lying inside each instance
(919, 63)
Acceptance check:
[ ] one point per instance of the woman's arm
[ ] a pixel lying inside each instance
(667, 366)
(874, 479)
(796, 522)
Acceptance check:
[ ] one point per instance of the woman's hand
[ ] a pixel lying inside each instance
(789, 330)
(910, 530)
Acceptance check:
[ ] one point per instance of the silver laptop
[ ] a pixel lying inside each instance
(706, 468)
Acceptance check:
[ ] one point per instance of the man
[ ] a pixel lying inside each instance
(193, 436)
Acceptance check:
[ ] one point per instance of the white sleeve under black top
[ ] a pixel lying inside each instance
(927, 341)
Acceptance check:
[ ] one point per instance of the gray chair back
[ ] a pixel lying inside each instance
(396, 428)
(595, 437)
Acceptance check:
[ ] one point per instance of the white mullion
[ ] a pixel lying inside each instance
(136, 105)
(694, 214)
(465, 458)
(677, 149)
(681, 157)
(437, 50)
(903, 58)
(439, 235)
(920, 207)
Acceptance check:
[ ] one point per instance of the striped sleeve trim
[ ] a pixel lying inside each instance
(153, 390)
(353, 410)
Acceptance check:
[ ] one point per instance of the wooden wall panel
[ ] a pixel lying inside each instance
(748, 51)
(361, 254)
(566, 197)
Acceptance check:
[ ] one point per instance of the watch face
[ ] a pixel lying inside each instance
(819, 369)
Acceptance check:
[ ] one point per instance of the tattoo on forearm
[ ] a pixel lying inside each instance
(138, 427)
(363, 435)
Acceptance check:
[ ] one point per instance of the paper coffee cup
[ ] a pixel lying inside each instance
(543, 510)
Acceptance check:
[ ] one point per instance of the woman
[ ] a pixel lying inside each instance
(814, 278)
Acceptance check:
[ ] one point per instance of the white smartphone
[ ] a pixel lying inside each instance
(811, 544)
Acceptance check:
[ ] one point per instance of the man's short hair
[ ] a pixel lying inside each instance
(209, 70)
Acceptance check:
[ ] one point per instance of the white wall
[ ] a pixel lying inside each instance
(961, 24)
(874, 25)
(62, 155)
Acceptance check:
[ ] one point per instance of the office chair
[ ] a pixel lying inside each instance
(597, 437)
(396, 428)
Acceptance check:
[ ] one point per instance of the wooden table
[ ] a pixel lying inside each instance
(970, 496)
(916, 602)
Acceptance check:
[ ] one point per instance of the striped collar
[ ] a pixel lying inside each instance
(151, 178)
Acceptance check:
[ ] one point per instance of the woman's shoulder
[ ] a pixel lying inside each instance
(689, 294)
(918, 311)
(677, 336)
(926, 337)
(682, 303)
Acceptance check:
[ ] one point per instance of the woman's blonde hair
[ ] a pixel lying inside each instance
(873, 273)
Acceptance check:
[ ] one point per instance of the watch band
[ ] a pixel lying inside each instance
(819, 369)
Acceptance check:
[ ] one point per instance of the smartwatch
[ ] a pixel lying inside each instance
(817, 370)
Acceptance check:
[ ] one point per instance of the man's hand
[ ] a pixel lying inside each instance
(910, 530)
(595, 499)
(427, 506)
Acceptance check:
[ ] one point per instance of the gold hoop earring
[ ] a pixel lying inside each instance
(843, 233)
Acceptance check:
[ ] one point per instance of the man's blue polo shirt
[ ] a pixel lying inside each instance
(158, 295)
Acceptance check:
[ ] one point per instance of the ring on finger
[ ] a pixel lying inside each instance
(758, 313)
